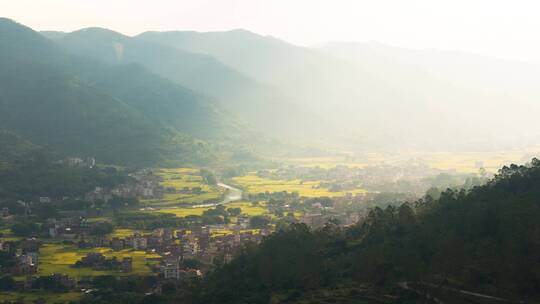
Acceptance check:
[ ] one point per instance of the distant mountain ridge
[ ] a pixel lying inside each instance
(260, 105)
(389, 98)
(188, 95)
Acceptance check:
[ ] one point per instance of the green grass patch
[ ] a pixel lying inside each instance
(124, 232)
(58, 258)
(180, 178)
(246, 207)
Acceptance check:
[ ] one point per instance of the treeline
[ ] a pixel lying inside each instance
(37, 176)
(212, 216)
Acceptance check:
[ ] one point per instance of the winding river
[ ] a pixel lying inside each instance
(232, 195)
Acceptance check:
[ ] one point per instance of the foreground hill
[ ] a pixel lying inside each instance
(485, 240)
(123, 114)
(260, 105)
(467, 246)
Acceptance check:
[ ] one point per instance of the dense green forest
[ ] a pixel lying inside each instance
(28, 179)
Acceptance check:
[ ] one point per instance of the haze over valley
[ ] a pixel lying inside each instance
(248, 152)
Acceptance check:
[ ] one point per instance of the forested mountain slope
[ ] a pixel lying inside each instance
(81, 107)
(262, 106)
(14, 148)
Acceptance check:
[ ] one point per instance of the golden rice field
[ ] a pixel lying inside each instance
(180, 178)
(182, 211)
(471, 162)
(58, 258)
(225, 232)
(124, 233)
(254, 184)
(246, 207)
(461, 162)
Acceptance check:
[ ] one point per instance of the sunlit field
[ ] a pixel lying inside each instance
(460, 162)
(123, 233)
(473, 161)
(58, 258)
(327, 162)
(225, 232)
(254, 184)
(246, 207)
(181, 177)
(184, 178)
(182, 211)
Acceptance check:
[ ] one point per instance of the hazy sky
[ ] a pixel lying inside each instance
(499, 28)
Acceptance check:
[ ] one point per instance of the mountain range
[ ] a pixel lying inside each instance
(192, 97)
(262, 106)
(120, 114)
(388, 97)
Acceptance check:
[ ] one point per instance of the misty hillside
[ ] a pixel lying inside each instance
(387, 97)
(494, 98)
(235, 88)
(13, 147)
(260, 105)
(118, 114)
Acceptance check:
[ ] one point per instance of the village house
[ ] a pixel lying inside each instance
(117, 244)
(171, 271)
(126, 264)
(44, 199)
(24, 266)
(139, 242)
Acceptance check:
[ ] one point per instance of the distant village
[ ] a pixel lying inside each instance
(178, 254)
(174, 247)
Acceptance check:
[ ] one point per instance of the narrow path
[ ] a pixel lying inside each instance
(405, 285)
